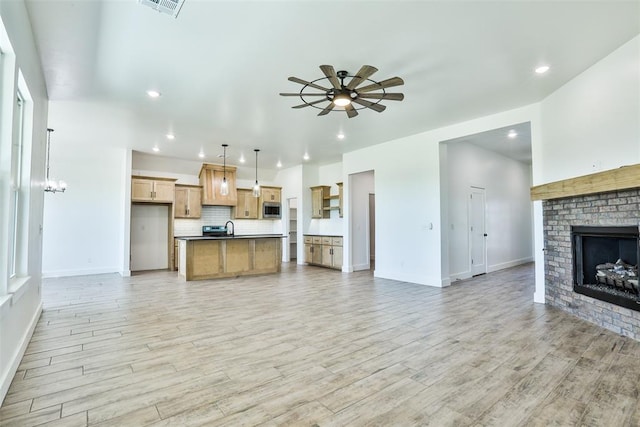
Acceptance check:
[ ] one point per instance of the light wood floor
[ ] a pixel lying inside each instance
(313, 346)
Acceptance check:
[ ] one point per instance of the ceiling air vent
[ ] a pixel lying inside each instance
(170, 7)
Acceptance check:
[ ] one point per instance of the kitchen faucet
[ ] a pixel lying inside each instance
(233, 228)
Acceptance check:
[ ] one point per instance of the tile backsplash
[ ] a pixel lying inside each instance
(218, 215)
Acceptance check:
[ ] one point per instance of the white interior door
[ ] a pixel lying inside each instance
(477, 233)
(149, 237)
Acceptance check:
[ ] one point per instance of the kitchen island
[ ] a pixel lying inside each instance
(206, 257)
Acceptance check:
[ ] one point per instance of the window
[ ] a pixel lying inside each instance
(16, 141)
(16, 185)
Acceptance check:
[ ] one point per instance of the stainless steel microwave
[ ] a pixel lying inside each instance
(271, 210)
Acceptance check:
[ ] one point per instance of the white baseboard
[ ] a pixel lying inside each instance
(17, 356)
(509, 264)
(436, 282)
(82, 272)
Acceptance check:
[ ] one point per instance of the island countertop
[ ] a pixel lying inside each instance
(234, 237)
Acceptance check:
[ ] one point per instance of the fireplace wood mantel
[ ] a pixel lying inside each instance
(623, 178)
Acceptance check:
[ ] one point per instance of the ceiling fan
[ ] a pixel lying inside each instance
(344, 95)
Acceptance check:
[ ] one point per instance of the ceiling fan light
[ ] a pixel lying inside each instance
(342, 100)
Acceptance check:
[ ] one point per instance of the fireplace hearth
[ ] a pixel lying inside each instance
(605, 263)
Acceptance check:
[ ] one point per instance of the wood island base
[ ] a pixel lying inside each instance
(202, 259)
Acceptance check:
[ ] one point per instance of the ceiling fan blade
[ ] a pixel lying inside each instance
(376, 107)
(330, 72)
(327, 109)
(389, 96)
(310, 103)
(303, 94)
(304, 82)
(365, 72)
(351, 112)
(393, 81)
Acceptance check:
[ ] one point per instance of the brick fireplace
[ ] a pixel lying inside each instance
(611, 210)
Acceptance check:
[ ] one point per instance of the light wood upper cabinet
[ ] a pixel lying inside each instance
(319, 200)
(210, 180)
(271, 194)
(151, 189)
(247, 205)
(188, 202)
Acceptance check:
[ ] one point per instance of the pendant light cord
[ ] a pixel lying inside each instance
(224, 161)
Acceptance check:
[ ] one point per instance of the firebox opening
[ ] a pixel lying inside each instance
(605, 264)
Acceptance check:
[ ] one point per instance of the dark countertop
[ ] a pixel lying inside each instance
(240, 236)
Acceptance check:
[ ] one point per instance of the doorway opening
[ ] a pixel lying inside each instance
(293, 229)
(362, 210)
(498, 161)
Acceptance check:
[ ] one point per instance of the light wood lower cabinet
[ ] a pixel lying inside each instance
(176, 253)
(325, 251)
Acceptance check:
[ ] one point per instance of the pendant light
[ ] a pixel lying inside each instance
(52, 186)
(256, 187)
(224, 187)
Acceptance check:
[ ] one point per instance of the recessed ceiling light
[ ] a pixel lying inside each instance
(155, 149)
(171, 136)
(153, 93)
(306, 156)
(542, 69)
(201, 155)
(279, 164)
(341, 135)
(241, 159)
(512, 134)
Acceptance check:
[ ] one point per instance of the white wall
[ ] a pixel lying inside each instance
(21, 307)
(592, 123)
(508, 207)
(84, 227)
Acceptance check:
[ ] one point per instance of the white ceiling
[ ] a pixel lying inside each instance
(516, 147)
(221, 64)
